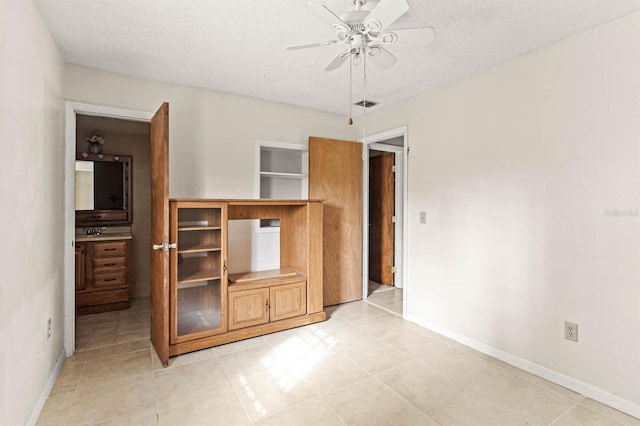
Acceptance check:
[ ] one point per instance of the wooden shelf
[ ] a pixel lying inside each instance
(199, 248)
(199, 228)
(199, 275)
(272, 274)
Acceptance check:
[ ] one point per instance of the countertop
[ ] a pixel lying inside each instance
(82, 238)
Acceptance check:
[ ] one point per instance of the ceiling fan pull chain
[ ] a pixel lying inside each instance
(350, 122)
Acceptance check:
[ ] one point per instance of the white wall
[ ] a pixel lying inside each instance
(517, 168)
(211, 135)
(31, 178)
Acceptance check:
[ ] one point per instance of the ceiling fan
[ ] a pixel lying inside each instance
(366, 33)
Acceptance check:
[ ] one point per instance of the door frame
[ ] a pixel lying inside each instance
(72, 109)
(376, 141)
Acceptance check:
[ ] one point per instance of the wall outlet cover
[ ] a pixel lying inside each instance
(571, 331)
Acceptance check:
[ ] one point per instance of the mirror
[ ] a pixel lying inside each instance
(103, 189)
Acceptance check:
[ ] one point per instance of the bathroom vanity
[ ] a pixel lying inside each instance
(102, 281)
(102, 249)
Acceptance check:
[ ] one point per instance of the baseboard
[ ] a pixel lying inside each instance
(568, 382)
(42, 399)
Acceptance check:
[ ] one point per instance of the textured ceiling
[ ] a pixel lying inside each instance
(238, 46)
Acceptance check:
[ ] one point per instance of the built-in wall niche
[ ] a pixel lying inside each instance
(282, 173)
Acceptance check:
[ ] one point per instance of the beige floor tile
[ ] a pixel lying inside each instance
(265, 394)
(380, 325)
(118, 367)
(68, 378)
(332, 371)
(460, 366)
(422, 385)
(249, 362)
(488, 358)
(562, 391)
(374, 355)
(369, 402)
(211, 405)
(583, 416)
(415, 341)
(136, 335)
(180, 360)
(611, 413)
(56, 410)
(523, 399)
(177, 386)
(146, 417)
(469, 408)
(311, 413)
(109, 351)
(239, 346)
(420, 420)
(354, 311)
(111, 401)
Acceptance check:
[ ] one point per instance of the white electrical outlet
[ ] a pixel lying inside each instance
(423, 217)
(571, 331)
(48, 328)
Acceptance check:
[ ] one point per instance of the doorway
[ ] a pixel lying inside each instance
(75, 111)
(385, 196)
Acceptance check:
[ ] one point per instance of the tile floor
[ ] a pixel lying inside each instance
(363, 366)
(385, 297)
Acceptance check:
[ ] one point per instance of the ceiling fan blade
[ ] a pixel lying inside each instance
(329, 17)
(385, 14)
(306, 46)
(407, 37)
(338, 60)
(380, 57)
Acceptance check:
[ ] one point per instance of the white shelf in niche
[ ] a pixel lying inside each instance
(283, 175)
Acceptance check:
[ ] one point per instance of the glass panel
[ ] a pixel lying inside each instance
(199, 292)
(198, 307)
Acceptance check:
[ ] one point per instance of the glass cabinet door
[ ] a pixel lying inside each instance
(198, 273)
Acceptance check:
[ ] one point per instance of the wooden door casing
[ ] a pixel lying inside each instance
(160, 232)
(381, 211)
(335, 177)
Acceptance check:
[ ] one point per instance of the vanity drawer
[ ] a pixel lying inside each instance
(107, 264)
(110, 279)
(110, 249)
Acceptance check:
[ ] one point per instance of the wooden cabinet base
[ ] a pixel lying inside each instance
(246, 333)
(97, 309)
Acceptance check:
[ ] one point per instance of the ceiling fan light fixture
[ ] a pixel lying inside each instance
(373, 25)
(389, 38)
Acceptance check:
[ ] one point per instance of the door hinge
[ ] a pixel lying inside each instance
(393, 219)
(393, 169)
(165, 246)
(394, 269)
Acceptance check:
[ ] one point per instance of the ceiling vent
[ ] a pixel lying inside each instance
(366, 104)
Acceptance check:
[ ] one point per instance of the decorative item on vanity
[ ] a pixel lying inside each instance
(95, 143)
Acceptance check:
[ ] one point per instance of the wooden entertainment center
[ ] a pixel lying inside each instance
(206, 306)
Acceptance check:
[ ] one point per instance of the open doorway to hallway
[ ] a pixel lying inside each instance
(385, 212)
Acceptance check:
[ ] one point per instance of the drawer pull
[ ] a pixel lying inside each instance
(109, 279)
(110, 264)
(110, 249)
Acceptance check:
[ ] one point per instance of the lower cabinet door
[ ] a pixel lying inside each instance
(248, 307)
(287, 301)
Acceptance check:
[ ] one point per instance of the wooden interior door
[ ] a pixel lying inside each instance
(160, 232)
(335, 176)
(381, 211)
